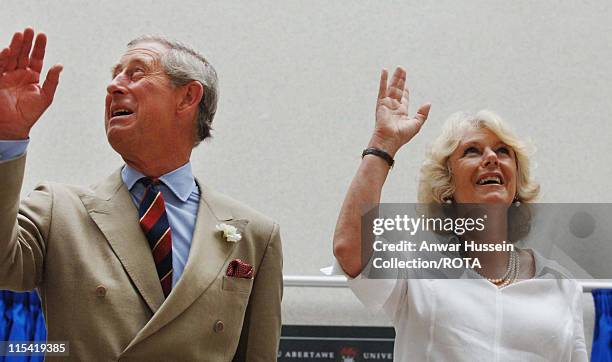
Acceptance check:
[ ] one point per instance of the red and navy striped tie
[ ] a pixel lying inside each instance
(154, 223)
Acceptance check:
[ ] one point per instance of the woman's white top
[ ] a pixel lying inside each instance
(473, 320)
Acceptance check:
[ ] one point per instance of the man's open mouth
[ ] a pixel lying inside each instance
(121, 112)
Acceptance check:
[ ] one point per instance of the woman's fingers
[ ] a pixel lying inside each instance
(395, 96)
(395, 93)
(398, 81)
(401, 85)
(397, 77)
(382, 86)
(406, 98)
(422, 113)
(390, 103)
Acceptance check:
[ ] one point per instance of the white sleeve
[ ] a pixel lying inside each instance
(380, 294)
(376, 294)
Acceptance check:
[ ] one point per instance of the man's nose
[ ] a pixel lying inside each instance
(117, 85)
(489, 158)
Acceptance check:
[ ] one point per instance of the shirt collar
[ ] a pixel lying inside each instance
(180, 181)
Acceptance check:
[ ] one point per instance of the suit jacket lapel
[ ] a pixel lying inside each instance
(112, 209)
(207, 257)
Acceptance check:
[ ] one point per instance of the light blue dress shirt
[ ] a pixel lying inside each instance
(10, 150)
(181, 195)
(182, 198)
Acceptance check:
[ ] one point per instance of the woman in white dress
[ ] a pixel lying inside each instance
(519, 309)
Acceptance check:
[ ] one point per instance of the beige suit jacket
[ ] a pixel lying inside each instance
(84, 251)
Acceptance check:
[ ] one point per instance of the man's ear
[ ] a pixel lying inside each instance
(189, 97)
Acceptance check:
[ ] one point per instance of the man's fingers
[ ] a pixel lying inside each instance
(4, 55)
(38, 53)
(51, 82)
(382, 87)
(423, 113)
(24, 55)
(15, 48)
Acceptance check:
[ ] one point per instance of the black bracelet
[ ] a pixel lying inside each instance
(380, 153)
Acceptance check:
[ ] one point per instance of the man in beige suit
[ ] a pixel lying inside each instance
(87, 250)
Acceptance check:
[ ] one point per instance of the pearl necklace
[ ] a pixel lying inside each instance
(512, 271)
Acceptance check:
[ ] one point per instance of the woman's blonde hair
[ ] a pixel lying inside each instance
(436, 184)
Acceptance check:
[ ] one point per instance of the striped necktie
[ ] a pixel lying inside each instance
(154, 223)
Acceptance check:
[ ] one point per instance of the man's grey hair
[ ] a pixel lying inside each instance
(183, 64)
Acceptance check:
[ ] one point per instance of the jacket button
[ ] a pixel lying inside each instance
(100, 291)
(219, 326)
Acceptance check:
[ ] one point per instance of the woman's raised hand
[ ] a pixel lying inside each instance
(22, 99)
(394, 127)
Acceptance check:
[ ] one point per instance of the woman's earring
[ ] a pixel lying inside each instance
(516, 202)
(448, 200)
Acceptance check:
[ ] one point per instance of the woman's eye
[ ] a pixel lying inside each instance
(470, 150)
(504, 149)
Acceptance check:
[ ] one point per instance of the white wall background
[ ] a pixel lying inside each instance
(298, 82)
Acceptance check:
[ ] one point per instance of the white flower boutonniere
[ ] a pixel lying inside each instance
(230, 232)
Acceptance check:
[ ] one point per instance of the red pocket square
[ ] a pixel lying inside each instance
(239, 269)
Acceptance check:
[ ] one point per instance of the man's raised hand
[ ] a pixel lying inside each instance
(394, 127)
(22, 99)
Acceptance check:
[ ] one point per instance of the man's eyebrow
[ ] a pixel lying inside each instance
(115, 69)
